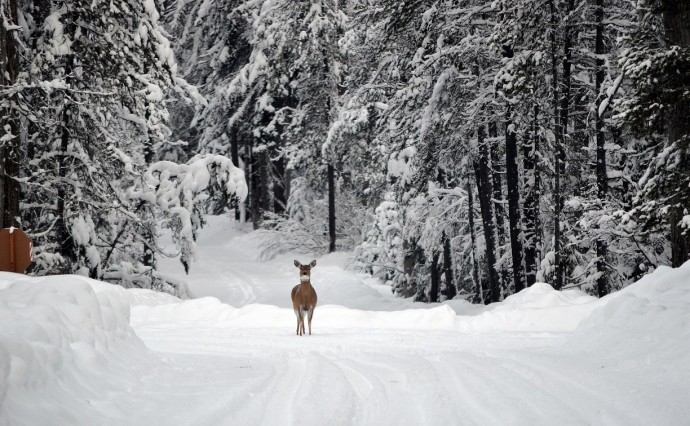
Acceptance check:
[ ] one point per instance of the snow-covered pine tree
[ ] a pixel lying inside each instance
(377, 47)
(287, 92)
(379, 254)
(89, 96)
(211, 42)
(656, 61)
(93, 90)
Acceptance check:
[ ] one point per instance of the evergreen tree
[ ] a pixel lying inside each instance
(656, 62)
(90, 97)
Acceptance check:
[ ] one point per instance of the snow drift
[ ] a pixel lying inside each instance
(648, 322)
(64, 341)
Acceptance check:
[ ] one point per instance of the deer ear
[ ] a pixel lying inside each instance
(297, 264)
(313, 263)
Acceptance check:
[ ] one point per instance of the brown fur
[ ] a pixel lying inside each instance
(304, 297)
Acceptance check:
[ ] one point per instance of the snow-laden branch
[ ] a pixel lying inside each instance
(178, 191)
(610, 93)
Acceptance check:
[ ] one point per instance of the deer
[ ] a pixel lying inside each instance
(304, 297)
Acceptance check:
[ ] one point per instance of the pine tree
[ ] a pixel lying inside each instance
(90, 94)
(657, 61)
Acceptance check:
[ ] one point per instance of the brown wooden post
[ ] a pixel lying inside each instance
(13, 263)
(15, 250)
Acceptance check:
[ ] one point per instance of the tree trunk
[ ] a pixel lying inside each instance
(473, 242)
(499, 210)
(512, 181)
(331, 208)
(41, 10)
(63, 234)
(148, 236)
(11, 155)
(557, 196)
(435, 279)
(532, 196)
(497, 183)
(602, 178)
(254, 178)
(265, 181)
(3, 68)
(451, 290)
(676, 18)
(679, 243)
(579, 160)
(482, 171)
(409, 262)
(579, 94)
(235, 157)
(279, 186)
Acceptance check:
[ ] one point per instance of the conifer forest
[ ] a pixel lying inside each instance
(456, 148)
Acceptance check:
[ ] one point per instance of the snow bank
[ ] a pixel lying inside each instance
(648, 321)
(210, 312)
(63, 339)
(138, 296)
(538, 308)
(207, 310)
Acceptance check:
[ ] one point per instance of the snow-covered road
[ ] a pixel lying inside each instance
(383, 377)
(230, 355)
(362, 366)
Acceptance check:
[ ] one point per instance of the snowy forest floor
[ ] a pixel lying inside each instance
(230, 355)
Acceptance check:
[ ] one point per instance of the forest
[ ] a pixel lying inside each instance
(457, 148)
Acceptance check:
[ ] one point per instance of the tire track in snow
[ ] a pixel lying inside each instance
(592, 387)
(380, 385)
(500, 395)
(535, 390)
(380, 377)
(309, 390)
(242, 282)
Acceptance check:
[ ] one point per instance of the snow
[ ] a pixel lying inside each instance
(77, 351)
(610, 93)
(631, 319)
(60, 44)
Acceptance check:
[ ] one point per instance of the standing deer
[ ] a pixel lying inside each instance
(304, 297)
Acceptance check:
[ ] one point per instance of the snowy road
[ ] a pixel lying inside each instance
(257, 372)
(75, 351)
(379, 377)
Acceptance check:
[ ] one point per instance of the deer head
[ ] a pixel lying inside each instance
(305, 270)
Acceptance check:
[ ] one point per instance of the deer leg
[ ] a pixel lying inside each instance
(297, 314)
(301, 319)
(301, 325)
(311, 314)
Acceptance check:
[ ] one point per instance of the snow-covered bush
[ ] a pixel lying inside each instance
(632, 250)
(380, 254)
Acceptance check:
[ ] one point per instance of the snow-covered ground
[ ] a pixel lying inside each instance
(75, 351)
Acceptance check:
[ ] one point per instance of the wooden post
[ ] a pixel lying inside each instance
(15, 250)
(13, 263)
